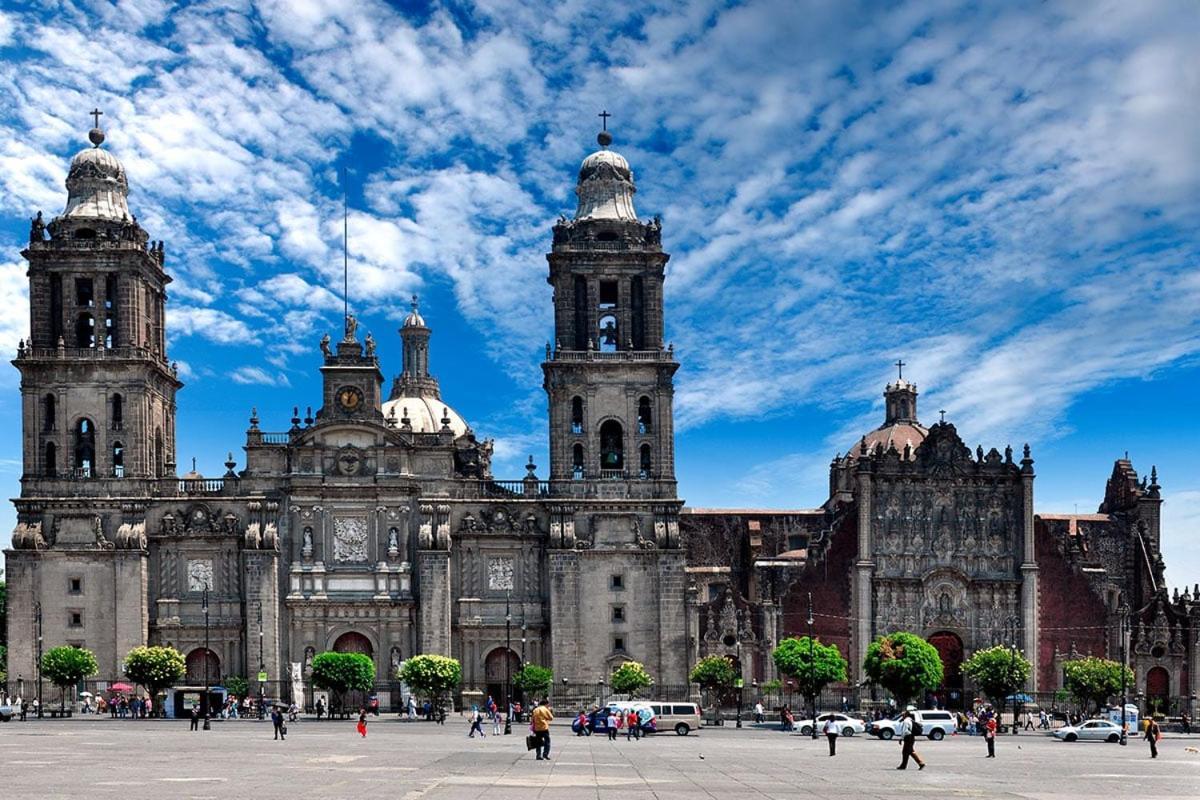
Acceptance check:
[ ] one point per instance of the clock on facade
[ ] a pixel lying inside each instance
(349, 398)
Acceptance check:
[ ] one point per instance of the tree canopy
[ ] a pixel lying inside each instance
(155, 668)
(630, 678)
(343, 672)
(237, 685)
(713, 672)
(904, 664)
(66, 666)
(997, 672)
(431, 675)
(533, 680)
(811, 671)
(1094, 680)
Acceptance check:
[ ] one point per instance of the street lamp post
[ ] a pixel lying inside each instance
(508, 661)
(812, 669)
(261, 663)
(1124, 689)
(37, 610)
(207, 690)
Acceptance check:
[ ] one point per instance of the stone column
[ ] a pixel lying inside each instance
(433, 622)
(131, 601)
(1029, 574)
(864, 569)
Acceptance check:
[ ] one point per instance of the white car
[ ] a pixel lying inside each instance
(847, 726)
(1094, 730)
(936, 724)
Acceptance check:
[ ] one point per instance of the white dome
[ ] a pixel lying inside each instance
(425, 414)
(96, 186)
(605, 188)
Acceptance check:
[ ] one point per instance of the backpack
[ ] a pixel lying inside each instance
(916, 727)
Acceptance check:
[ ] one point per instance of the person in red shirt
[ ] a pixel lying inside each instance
(632, 726)
(989, 733)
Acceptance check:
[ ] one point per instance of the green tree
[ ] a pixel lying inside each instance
(1094, 680)
(66, 666)
(534, 681)
(716, 675)
(432, 676)
(156, 668)
(3, 664)
(771, 687)
(811, 664)
(630, 678)
(343, 672)
(237, 685)
(998, 671)
(3, 614)
(904, 664)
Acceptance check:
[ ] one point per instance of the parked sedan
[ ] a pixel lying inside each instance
(847, 725)
(1094, 730)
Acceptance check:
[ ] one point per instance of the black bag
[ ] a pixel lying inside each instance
(283, 730)
(916, 728)
(531, 741)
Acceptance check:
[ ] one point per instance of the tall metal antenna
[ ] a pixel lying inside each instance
(345, 254)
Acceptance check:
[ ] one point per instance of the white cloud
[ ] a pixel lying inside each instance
(258, 375)
(210, 323)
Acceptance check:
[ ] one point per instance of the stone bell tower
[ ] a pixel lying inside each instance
(609, 375)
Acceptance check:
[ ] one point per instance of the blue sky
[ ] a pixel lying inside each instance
(1003, 194)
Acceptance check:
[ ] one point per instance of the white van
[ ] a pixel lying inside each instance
(683, 717)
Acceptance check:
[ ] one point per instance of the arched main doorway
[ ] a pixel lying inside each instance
(1158, 689)
(496, 677)
(950, 648)
(195, 668)
(354, 642)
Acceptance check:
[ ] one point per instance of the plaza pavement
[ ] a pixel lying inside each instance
(102, 758)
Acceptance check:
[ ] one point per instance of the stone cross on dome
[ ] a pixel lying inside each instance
(900, 368)
(604, 138)
(95, 135)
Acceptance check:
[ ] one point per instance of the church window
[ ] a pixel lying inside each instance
(118, 411)
(85, 448)
(645, 462)
(85, 330)
(76, 619)
(577, 468)
(797, 541)
(617, 582)
(75, 586)
(904, 409)
(612, 446)
(609, 334)
(110, 317)
(85, 295)
(637, 303)
(85, 233)
(606, 236)
(644, 415)
(159, 466)
(576, 415)
(581, 313)
(619, 644)
(56, 310)
(618, 613)
(608, 294)
(49, 411)
(118, 460)
(51, 465)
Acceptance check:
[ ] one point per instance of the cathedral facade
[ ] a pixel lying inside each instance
(373, 522)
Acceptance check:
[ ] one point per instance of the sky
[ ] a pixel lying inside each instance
(1004, 195)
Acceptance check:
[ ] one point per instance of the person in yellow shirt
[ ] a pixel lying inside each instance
(541, 717)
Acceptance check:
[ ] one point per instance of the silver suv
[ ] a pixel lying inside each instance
(936, 724)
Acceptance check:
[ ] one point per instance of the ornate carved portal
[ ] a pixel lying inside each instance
(349, 539)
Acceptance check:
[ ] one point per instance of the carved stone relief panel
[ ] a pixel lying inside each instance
(500, 573)
(200, 574)
(349, 539)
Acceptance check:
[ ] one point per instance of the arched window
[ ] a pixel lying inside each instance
(158, 453)
(609, 335)
(49, 412)
(581, 313)
(644, 416)
(50, 468)
(85, 330)
(85, 448)
(637, 298)
(118, 460)
(612, 446)
(576, 415)
(645, 463)
(903, 409)
(118, 411)
(577, 462)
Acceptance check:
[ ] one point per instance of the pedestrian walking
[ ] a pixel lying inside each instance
(362, 723)
(989, 735)
(476, 723)
(24, 706)
(1153, 735)
(612, 722)
(1186, 723)
(909, 729)
(496, 722)
(758, 712)
(635, 725)
(831, 733)
(195, 716)
(541, 717)
(1028, 721)
(277, 723)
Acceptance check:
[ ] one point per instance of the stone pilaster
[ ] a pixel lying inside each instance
(1029, 573)
(433, 622)
(673, 646)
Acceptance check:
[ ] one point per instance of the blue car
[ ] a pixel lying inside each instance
(597, 721)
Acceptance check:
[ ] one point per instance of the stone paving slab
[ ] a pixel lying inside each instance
(419, 761)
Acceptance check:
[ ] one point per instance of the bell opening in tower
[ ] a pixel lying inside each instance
(612, 447)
